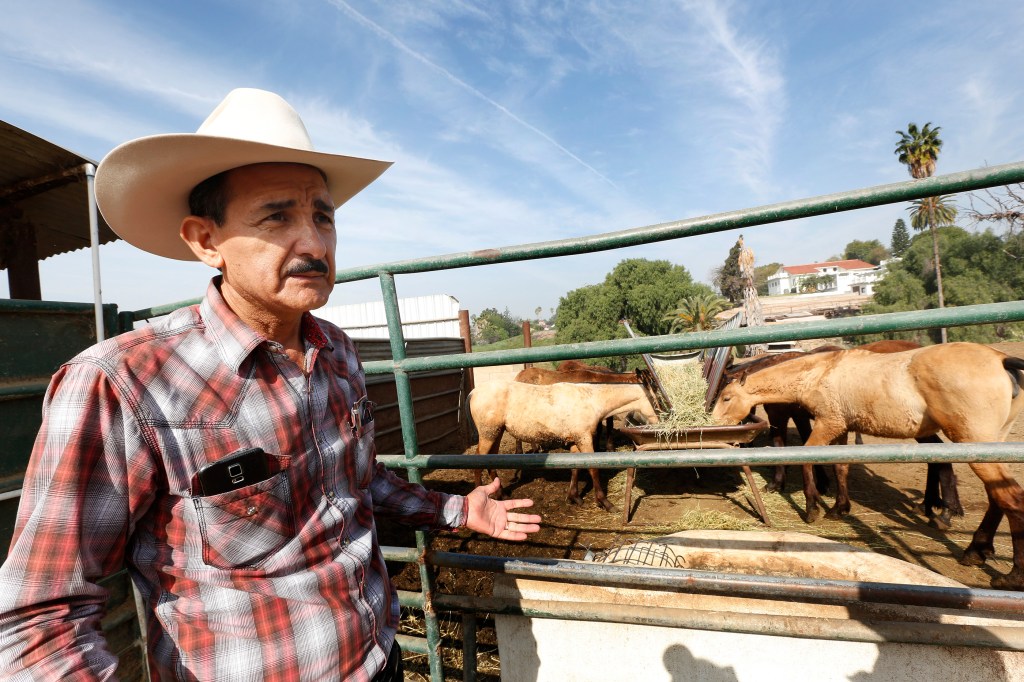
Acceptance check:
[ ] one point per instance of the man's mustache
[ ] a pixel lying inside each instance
(308, 265)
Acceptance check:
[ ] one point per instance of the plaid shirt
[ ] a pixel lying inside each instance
(279, 580)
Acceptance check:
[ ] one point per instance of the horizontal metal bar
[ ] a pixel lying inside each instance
(10, 495)
(19, 305)
(906, 452)
(790, 210)
(1012, 311)
(411, 600)
(23, 390)
(841, 592)
(406, 554)
(413, 645)
(808, 627)
(166, 309)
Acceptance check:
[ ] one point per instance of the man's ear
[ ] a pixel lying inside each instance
(198, 234)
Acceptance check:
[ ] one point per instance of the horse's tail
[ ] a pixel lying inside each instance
(471, 426)
(1014, 366)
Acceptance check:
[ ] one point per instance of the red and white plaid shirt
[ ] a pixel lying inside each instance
(279, 580)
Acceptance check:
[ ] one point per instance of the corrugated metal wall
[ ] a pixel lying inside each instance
(438, 398)
(423, 317)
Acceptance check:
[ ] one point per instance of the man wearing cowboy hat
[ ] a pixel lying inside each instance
(224, 454)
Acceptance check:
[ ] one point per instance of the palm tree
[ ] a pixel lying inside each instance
(918, 150)
(697, 312)
(933, 213)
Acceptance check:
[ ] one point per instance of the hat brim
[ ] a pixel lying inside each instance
(142, 186)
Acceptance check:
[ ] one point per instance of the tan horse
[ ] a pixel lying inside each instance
(968, 391)
(576, 372)
(941, 498)
(561, 413)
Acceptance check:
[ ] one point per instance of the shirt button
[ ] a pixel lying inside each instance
(251, 511)
(330, 495)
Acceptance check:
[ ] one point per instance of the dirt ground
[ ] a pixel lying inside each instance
(885, 516)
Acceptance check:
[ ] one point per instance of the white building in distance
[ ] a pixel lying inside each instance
(834, 277)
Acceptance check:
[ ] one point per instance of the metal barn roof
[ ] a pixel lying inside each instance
(43, 189)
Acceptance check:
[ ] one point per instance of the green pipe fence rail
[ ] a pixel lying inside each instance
(684, 580)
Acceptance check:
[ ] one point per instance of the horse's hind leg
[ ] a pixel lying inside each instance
(489, 444)
(778, 482)
(982, 547)
(842, 505)
(948, 487)
(810, 495)
(572, 496)
(600, 497)
(1005, 497)
(941, 498)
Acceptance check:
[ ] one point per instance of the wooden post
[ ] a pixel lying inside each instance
(527, 340)
(22, 262)
(467, 345)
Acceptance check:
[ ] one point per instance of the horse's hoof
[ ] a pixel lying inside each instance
(812, 515)
(607, 506)
(974, 556)
(573, 500)
(941, 520)
(836, 513)
(1014, 580)
(772, 488)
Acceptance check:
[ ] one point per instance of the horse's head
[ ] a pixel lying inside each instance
(733, 405)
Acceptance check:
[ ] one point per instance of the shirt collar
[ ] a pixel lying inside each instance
(235, 340)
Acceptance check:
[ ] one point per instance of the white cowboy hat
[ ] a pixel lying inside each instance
(142, 186)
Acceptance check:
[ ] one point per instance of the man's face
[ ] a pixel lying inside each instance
(278, 238)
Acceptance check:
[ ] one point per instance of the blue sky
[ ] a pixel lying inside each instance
(517, 121)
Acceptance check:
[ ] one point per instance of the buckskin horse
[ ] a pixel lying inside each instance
(968, 391)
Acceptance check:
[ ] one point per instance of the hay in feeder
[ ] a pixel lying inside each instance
(686, 387)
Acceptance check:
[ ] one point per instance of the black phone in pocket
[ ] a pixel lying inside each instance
(236, 470)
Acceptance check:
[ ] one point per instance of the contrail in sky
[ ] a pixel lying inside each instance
(394, 40)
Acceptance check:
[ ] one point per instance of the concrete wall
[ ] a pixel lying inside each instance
(541, 649)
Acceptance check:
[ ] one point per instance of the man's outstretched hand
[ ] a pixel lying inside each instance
(495, 518)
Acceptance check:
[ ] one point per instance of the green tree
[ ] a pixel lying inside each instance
(981, 268)
(871, 251)
(900, 238)
(697, 312)
(727, 278)
(642, 291)
(761, 275)
(490, 326)
(919, 150)
(813, 283)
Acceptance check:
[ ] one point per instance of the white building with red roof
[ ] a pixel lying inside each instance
(834, 277)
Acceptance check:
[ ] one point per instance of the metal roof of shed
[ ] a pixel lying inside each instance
(42, 187)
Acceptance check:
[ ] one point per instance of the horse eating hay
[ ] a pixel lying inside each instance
(970, 392)
(561, 413)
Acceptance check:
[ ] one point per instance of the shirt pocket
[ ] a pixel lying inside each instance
(245, 527)
(366, 456)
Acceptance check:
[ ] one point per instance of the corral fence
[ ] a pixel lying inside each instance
(405, 367)
(815, 591)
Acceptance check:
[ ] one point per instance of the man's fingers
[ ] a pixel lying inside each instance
(517, 504)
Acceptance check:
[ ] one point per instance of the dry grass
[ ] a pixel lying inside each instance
(686, 388)
(450, 627)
